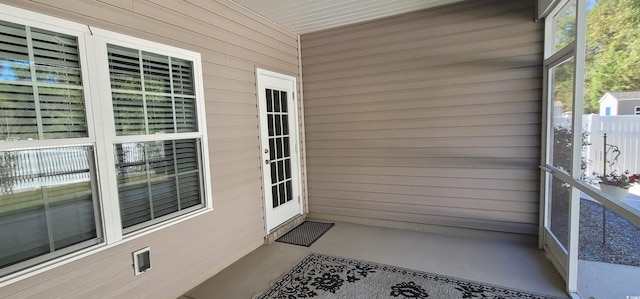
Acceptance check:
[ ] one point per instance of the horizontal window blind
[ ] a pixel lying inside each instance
(41, 93)
(14, 51)
(56, 57)
(47, 194)
(151, 93)
(156, 179)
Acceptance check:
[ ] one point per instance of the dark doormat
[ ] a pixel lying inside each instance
(306, 233)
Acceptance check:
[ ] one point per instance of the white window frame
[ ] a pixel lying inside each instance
(113, 225)
(23, 17)
(101, 129)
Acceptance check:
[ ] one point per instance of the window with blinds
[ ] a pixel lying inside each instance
(154, 94)
(41, 93)
(55, 129)
(48, 197)
(151, 93)
(47, 203)
(157, 179)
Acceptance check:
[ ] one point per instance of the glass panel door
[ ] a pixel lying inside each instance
(279, 147)
(558, 163)
(559, 157)
(278, 138)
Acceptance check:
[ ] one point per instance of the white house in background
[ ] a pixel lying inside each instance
(620, 103)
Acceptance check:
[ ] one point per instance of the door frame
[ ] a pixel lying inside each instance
(565, 260)
(294, 130)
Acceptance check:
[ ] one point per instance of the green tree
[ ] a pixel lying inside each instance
(565, 32)
(613, 50)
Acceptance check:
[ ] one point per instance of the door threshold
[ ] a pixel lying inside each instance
(284, 228)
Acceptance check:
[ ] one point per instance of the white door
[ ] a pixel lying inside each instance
(279, 139)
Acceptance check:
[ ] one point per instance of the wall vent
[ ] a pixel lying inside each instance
(142, 260)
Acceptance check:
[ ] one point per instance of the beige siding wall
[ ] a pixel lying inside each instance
(232, 42)
(430, 117)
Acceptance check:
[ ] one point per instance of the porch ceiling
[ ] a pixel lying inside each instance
(305, 16)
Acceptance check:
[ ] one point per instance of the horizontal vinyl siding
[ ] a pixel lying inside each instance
(233, 42)
(430, 117)
(628, 107)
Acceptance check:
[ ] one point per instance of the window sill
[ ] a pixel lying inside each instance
(154, 228)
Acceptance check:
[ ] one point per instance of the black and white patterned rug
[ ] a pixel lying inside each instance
(306, 233)
(324, 276)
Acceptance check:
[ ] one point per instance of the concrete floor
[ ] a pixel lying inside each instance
(507, 260)
(602, 280)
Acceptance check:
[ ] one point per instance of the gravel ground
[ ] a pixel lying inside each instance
(622, 237)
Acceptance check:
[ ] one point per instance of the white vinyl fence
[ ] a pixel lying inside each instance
(31, 169)
(623, 131)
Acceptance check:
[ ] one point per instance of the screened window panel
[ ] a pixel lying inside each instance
(132, 183)
(186, 155)
(46, 202)
(182, 73)
(161, 87)
(160, 114)
(32, 240)
(14, 53)
(157, 179)
(186, 116)
(124, 68)
(49, 106)
(13, 70)
(161, 157)
(156, 73)
(77, 214)
(63, 113)
(164, 194)
(56, 57)
(128, 110)
(17, 113)
(189, 190)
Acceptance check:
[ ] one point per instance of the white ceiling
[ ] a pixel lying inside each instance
(305, 16)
